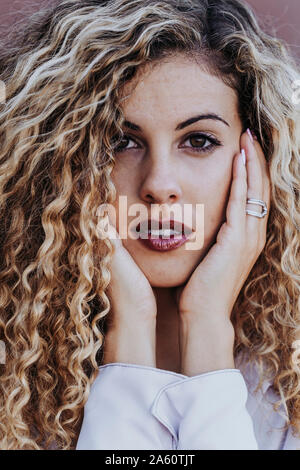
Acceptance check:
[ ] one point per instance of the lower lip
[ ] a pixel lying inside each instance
(164, 244)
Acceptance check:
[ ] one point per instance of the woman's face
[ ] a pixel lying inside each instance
(162, 162)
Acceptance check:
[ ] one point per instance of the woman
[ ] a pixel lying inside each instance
(163, 103)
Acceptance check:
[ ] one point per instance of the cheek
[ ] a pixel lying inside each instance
(124, 182)
(120, 177)
(213, 191)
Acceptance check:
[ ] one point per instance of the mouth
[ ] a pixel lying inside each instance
(163, 235)
(163, 229)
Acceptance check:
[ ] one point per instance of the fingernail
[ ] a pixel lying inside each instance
(250, 135)
(243, 153)
(254, 135)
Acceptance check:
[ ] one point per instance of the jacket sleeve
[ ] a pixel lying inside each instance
(140, 407)
(208, 411)
(291, 442)
(117, 414)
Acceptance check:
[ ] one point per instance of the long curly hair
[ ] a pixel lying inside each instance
(64, 69)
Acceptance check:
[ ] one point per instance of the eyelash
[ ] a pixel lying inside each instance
(209, 148)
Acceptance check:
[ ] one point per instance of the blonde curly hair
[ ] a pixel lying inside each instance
(64, 70)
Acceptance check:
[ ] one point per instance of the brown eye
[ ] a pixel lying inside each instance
(123, 145)
(197, 140)
(201, 143)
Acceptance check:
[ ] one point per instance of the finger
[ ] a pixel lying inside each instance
(256, 226)
(265, 169)
(266, 194)
(255, 186)
(265, 173)
(235, 212)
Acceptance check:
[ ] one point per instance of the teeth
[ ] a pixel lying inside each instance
(165, 233)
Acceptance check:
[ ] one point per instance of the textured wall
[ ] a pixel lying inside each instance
(278, 16)
(281, 18)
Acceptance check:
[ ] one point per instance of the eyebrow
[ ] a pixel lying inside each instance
(182, 125)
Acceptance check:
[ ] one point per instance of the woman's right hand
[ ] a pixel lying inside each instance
(131, 334)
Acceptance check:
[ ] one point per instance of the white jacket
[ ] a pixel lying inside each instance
(131, 406)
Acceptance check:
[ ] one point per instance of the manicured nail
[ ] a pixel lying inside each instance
(243, 153)
(254, 135)
(250, 135)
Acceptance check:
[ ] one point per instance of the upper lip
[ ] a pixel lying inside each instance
(164, 224)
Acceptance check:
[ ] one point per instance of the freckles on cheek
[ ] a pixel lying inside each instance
(121, 183)
(125, 178)
(223, 192)
(215, 197)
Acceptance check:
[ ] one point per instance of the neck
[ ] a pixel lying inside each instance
(167, 340)
(165, 298)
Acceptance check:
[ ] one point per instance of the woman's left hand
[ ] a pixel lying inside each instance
(205, 303)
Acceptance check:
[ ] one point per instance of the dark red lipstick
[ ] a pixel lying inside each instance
(175, 234)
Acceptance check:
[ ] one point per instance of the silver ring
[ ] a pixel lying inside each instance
(261, 203)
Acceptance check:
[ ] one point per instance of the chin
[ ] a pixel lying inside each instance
(164, 271)
(167, 283)
(164, 277)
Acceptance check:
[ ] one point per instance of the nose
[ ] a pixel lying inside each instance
(160, 185)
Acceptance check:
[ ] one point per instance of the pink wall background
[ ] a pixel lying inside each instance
(281, 18)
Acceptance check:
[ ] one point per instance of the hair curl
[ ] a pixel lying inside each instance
(64, 70)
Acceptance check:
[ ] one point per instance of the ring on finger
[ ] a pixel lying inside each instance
(259, 202)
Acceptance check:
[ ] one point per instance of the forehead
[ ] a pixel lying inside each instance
(177, 86)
